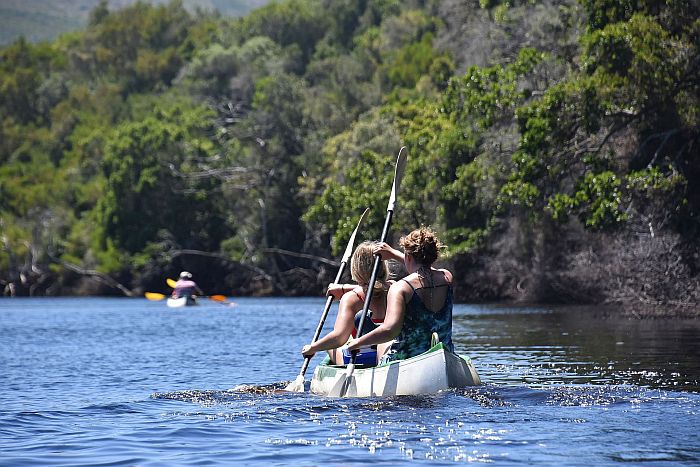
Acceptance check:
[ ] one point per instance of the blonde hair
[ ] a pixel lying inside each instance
(361, 266)
(423, 245)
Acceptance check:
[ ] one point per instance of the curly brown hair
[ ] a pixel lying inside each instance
(423, 245)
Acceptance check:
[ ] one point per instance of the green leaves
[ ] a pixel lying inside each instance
(630, 67)
(599, 198)
(297, 23)
(484, 95)
(640, 52)
(359, 171)
(146, 166)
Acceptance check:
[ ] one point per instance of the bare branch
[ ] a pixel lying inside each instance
(187, 252)
(93, 274)
(301, 255)
(225, 173)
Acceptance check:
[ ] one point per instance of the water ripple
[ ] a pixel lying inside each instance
(131, 383)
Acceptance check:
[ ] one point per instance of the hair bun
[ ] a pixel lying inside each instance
(422, 244)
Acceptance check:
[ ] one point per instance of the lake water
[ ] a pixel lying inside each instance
(107, 381)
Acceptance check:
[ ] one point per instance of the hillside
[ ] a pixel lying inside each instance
(552, 145)
(44, 20)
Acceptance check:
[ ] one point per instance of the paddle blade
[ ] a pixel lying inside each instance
(351, 242)
(398, 175)
(171, 283)
(154, 296)
(341, 386)
(297, 385)
(221, 300)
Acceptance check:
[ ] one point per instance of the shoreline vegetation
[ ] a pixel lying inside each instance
(552, 145)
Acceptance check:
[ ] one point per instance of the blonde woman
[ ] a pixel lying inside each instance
(418, 305)
(351, 304)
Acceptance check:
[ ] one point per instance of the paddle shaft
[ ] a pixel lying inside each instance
(373, 279)
(398, 174)
(368, 298)
(324, 315)
(343, 263)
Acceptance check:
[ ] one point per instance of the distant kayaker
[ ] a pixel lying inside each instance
(351, 303)
(186, 287)
(417, 305)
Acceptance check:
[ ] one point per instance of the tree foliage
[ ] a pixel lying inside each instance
(535, 129)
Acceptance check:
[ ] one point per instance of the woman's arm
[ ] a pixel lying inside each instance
(342, 328)
(387, 252)
(338, 290)
(393, 321)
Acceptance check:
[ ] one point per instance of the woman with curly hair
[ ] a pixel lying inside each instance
(418, 305)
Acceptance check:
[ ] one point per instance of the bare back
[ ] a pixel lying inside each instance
(433, 290)
(425, 304)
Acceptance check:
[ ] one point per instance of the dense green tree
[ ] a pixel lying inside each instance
(23, 67)
(294, 23)
(146, 167)
(542, 136)
(632, 83)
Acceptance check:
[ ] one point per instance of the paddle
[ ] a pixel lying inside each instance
(342, 385)
(298, 384)
(222, 300)
(154, 296)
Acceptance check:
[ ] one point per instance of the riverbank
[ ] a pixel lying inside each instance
(635, 283)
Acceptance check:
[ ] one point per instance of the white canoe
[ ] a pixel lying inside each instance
(430, 372)
(181, 301)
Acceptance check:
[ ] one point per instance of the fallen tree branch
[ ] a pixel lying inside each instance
(185, 252)
(301, 255)
(95, 275)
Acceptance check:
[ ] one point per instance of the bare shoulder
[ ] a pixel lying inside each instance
(352, 298)
(400, 288)
(447, 273)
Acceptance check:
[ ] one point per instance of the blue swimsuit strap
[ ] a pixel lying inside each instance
(435, 286)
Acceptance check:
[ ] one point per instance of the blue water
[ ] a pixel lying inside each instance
(96, 381)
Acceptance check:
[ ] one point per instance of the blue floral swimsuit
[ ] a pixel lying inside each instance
(419, 324)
